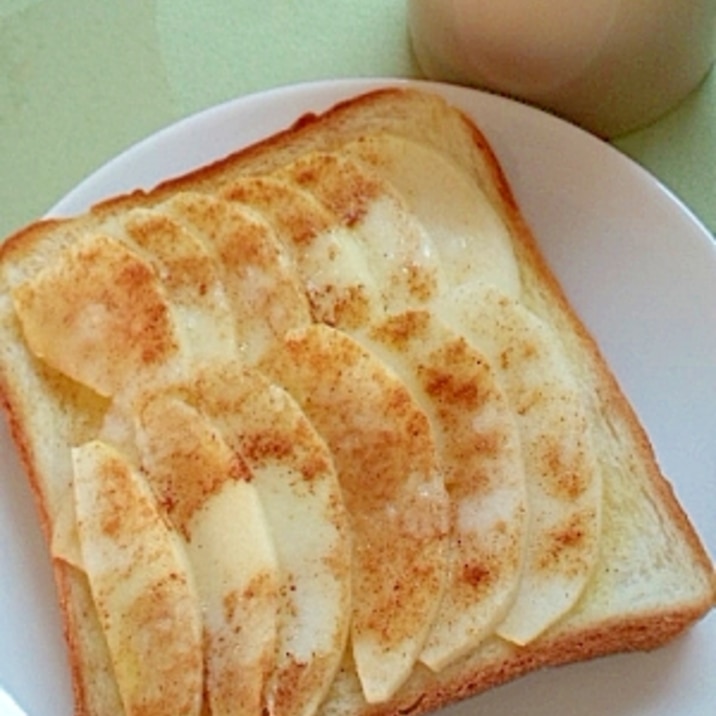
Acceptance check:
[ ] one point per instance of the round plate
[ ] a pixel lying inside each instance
(637, 266)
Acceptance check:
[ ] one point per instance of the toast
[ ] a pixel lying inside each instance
(351, 330)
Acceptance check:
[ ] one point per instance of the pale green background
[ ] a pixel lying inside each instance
(81, 80)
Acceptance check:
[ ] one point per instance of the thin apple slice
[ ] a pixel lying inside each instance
(237, 579)
(480, 455)
(385, 456)
(141, 585)
(468, 235)
(207, 491)
(190, 278)
(98, 315)
(563, 476)
(296, 481)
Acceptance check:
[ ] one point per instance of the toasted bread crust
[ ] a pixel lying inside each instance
(643, 634)
(384, 110)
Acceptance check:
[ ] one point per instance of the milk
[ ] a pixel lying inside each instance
(609, 65)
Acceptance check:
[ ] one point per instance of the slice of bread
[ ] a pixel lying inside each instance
(388, 207)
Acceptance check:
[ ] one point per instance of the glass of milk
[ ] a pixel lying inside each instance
(609, 65)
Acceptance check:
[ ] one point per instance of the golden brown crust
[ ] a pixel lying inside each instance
(645, 633)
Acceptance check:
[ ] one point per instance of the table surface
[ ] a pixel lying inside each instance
(81, 80)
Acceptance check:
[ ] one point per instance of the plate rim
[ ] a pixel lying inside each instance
(347, 86)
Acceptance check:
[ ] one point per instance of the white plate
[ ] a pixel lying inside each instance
(638, 267)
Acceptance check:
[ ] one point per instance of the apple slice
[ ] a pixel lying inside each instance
(384, 453)
(98, 315)
(563, 476)
(140, 583)
(258, 276)
(190, 278)
(296, 481)
(236, 575)
(468, 235)
(479, 452)
(207, 491)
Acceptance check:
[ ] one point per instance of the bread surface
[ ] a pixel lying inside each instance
(651, 577)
